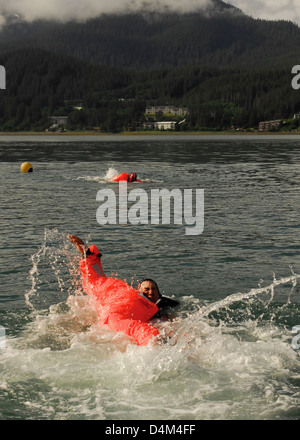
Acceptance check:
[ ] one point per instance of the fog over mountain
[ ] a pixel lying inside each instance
(270, 9)
(81, 10)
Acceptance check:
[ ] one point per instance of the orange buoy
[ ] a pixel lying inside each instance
(26, 167)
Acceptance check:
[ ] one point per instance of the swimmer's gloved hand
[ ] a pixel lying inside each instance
(81, 246)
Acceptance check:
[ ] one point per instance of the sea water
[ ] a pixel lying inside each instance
(233, 351)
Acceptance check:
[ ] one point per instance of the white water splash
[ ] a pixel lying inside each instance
(205, 311)
(111, 173)
(57, 257)
(106, 178)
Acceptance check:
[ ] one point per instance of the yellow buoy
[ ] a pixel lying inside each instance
(26, 167)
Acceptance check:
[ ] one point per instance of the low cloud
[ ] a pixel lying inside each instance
(81, 10)
(270, 9)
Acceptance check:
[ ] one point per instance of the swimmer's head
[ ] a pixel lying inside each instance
(132, 177)
(150, 289)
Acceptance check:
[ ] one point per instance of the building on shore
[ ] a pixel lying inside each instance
(59, 120)
(167, 109)
(267, 125)
(165, 125)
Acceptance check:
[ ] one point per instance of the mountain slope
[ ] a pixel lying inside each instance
(227, 68)
(222, 35)
(41, 84)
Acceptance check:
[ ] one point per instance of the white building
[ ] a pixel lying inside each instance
(59, 120)
(170, 109)
(165, 125)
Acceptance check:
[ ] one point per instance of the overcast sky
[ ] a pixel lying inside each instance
(270, 9)
(84, 9)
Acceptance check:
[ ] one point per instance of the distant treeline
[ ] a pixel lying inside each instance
(40, 84)
(223, 37)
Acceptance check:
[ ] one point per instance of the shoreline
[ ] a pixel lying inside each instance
(149, 133)
(86, 136)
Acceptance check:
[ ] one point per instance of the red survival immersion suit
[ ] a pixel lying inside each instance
(121, 307)
(123, 177)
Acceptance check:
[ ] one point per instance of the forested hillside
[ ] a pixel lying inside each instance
(149, 40)
(40, 84)
(227, 68)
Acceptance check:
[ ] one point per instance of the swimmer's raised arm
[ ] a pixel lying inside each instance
(81, 246)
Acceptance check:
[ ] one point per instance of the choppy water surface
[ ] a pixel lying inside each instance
(232, 354)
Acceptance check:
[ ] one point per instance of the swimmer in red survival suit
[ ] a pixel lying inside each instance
(121, 308)
(125, 177)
